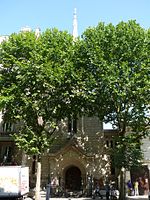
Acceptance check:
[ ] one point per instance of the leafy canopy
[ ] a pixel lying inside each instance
(38, 85)
(117, 61)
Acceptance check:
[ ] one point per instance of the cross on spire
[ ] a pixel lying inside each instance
(75, 25)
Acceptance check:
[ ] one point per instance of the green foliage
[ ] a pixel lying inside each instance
(116, 59)
(30, 142)
(106, 73)
(127, 153)
(38, 81)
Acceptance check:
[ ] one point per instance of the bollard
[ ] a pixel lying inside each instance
(47, 191)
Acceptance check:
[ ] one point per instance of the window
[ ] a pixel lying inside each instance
(112, 168)
(8, 127)
(110, 143)
(72, 125)
(107, 143)
(5, 154)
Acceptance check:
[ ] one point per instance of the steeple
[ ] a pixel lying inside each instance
(75, 25)
(37, 32)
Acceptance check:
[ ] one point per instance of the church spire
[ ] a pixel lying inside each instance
(75, 25)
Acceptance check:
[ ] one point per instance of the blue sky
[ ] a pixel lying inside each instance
(15, 14)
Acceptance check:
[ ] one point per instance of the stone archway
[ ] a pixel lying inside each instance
(73, 180)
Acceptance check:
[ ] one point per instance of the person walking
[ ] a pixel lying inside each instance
(97, 192)
(130, 187)
(107, 188)
(136, 188)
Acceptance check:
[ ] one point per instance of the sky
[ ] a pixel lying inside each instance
(43, 14)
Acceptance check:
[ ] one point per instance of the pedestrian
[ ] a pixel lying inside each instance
(136, 188)
(107, 188)
(97, 192)
(130, 187)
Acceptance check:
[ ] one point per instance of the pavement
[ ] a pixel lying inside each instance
(43, 197)
(141, 197)
(86, 198)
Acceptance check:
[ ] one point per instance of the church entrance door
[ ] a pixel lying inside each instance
(73, 179)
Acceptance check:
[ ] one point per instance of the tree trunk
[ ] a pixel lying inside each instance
(38, 181)
(122, 195)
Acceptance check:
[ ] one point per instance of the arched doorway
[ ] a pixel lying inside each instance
(73, 179)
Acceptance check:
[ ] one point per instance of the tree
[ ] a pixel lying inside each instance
(117, 61)
(39, 87)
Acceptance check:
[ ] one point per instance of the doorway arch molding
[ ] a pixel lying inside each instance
(70, 163)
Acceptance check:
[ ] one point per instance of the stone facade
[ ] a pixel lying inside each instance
(76, 161)
(83, 157)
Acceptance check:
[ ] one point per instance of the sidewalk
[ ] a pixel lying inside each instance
(43, 197)
(144, 197)
(141, 197)
(86, 198)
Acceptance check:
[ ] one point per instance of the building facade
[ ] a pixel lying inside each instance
(75, 161)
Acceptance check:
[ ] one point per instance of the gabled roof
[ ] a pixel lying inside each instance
(71, 145)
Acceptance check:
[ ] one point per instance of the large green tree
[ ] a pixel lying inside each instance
(117, 61)
(38, 87)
